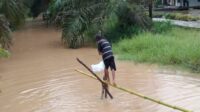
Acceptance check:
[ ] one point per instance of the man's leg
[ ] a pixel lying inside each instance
(113, 69)
(113, 76)
(107, 79)
(106, 75)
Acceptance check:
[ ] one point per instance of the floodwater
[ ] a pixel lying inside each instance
(40, 77)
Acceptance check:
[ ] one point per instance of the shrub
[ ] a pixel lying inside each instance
(128, 20)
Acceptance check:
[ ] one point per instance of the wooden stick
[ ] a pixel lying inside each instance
(140, 95)
(102, 82)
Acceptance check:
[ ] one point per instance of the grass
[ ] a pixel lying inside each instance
(178, 46)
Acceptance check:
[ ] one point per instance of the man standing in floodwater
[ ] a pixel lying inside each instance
(105, 49)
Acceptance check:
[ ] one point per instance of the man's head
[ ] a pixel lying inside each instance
(98, 37)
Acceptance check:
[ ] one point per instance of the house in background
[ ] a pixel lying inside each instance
(181, 3)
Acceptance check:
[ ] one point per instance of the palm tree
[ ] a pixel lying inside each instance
(77, 16)
(13, 11)
(11, 17)
(5, 38)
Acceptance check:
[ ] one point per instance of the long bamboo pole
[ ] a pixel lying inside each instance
(139, 95)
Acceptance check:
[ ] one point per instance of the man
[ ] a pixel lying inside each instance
(105, 49)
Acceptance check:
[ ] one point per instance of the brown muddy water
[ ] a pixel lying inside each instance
(40, 77)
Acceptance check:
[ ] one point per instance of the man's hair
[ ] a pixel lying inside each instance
(98, 37)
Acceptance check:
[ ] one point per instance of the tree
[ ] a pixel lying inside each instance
(5, 38)
(77, 16)
(11, 17)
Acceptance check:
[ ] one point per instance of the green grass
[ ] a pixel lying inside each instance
(178, 46)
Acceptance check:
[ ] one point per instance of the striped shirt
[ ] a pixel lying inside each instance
(105, 48)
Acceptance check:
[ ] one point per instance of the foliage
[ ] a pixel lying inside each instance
(127, 20)
(113, 30)
(38, 6)
(176, 47)
(5, 38)
(161, 27)
(13, 11)
(11, 17)
(131, 19)
(77, 17)
(131, 15)
(4, 53)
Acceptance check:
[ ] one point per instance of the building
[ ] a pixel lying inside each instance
(179, 3)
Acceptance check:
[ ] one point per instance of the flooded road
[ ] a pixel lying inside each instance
(40, 77)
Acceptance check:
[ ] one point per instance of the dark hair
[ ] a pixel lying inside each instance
(98, 37)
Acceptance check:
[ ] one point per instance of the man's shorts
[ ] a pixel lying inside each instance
(110, 62)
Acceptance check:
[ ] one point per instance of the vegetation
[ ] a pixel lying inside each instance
(13, 12)
(5, 38)
(77, 17)
(171, 48)
(161, 27)
(3, 53)
(36, 6)
(11, 17)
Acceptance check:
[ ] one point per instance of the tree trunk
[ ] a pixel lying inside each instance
(150, 8)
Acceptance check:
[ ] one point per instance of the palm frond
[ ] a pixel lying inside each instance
(5, 38)
(13, 12)
(77, 16)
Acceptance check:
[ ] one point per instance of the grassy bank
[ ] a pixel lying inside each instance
(178, 46)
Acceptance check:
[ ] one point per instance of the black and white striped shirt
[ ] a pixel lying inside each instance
(105, 48)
